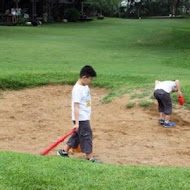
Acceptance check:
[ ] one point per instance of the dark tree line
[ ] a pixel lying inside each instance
(127, 8)
(55, 9)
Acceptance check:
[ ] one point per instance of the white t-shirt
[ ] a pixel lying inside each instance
(81, 95)
(167, 86)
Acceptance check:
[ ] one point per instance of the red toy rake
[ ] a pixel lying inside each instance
(47, 150)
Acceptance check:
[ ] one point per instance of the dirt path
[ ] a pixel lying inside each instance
(32, 119)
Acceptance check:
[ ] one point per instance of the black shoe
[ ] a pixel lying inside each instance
(62, 153)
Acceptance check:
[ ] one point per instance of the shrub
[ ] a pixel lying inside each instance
(22, 20)
(72, 15)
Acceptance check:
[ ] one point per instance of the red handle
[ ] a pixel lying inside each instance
(47, 150)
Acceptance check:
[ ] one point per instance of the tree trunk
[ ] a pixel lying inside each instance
(2, 6)
(34, 9)
(174, 6)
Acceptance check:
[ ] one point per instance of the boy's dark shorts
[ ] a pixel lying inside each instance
(82, 137)
(164, 101)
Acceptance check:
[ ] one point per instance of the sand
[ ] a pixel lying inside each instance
(32, 119)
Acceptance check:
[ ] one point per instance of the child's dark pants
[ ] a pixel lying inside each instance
(82, 137)
(164, 101)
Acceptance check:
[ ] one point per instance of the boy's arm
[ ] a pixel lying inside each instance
(177, 89)
(156, 82)
(76, 112)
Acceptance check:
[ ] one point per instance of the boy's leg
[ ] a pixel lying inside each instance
(85, 138)
(167, 118)
(167, 102)
(66, 148)
(64, 152)
(161, 115)
(72, 142)
(168, 111)
(159, 96)
(89, 156)
(161, 118)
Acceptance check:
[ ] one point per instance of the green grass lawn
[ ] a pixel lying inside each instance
(128, 55)
(26, 172)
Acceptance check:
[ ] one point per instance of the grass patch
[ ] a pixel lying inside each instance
(142, 93)
(139, 96)
(188, 107)
(130, 105)
(28, 172)
(145, 103)
(109, 97)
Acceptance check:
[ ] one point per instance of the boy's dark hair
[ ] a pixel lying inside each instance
(87, 71)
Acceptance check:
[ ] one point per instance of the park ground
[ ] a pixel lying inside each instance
(36, 66)
(32, 119)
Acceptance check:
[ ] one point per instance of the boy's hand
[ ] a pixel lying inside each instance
(179, 93)
(76, 126)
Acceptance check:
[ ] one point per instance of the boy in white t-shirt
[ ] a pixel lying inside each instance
(81, 111)
(162, 92)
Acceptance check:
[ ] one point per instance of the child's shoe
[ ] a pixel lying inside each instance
(94, 160)
(169, 124)
(161, 121)
(62, 153)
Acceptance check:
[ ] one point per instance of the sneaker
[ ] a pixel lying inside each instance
(169, 124)
(62, 153)
(94, 160)
(161, 121)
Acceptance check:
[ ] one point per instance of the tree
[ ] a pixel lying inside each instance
(173, 6)
(186, 4)
(132, 8)
(50, 7)
(106, 7)
(138, 4)
(17, 1)
(2, 6)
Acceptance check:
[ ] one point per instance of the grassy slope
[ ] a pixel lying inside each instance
(127, 54)
(26, 172)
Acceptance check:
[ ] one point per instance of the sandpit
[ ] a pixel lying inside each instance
(32, 119)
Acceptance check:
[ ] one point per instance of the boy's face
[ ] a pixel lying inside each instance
(87, 80)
